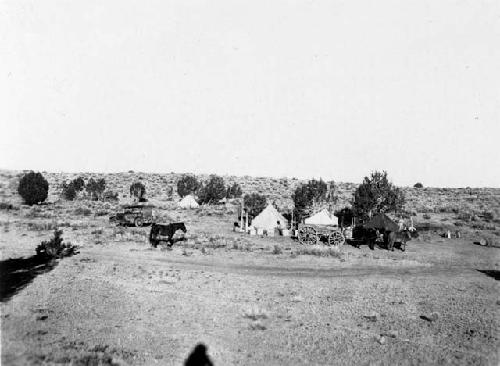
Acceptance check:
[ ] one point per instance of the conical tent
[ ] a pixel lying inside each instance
(268, 219)
(322, 218)
(188, 202)
(382, 221)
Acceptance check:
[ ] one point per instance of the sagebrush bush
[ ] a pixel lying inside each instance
(187, 184)
(277, 249)
(138, 190)
(376, 194)
(254, 203)
(55, 248)
(306, 195)
(234, 191)
(488, 216)
(33, 188)
(111, 196)
(95, 188)
(213, 191)
(82, 211)
(7, 206)
(70, 190)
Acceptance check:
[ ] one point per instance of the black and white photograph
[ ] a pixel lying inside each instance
(231, 182)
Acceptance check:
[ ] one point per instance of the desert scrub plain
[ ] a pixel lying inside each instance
(251, 300)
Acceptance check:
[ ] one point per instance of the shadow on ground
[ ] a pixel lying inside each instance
(198, 357)
(16, 274)
(491, 273)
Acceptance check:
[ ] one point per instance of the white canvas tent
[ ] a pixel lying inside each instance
(322, 218)
(268, 219)
(188, 202)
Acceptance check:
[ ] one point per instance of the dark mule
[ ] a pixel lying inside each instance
(165, 232)
(398, 237)
(366, 236)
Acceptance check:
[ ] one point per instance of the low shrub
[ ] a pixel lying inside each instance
(55, 248)
(7, 206)
(426, 216)
(39, 226)
(83, 211)
(479, 226)
(110, 196)
(488, 216)
(277, 249)
(255, 313)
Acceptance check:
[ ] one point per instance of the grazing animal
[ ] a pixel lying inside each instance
(398, 237)
(165, 232)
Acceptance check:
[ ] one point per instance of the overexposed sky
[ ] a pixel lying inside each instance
(332, 89)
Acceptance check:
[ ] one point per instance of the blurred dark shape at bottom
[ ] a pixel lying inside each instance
(198, 357)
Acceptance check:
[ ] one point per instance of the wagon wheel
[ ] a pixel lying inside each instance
(307, 235)
(336, 239)
(138, 222)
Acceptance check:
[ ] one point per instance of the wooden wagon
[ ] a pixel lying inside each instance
(315, 234)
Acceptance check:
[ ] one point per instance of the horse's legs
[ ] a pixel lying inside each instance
(390, 244)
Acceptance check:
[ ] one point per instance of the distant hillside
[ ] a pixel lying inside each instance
(455, 208)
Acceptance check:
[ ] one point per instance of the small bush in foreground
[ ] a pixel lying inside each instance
(55, 248)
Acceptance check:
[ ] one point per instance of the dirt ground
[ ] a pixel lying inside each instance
(250, 300)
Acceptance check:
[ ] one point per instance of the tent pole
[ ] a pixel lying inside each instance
(241, 216)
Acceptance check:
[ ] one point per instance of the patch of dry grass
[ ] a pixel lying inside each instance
(319, 251)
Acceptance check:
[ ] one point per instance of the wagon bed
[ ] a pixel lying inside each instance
(314, 234)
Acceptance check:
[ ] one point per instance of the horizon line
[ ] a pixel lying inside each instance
(132, 171)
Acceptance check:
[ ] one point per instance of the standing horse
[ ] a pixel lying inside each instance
(398, 237)
(165, 232)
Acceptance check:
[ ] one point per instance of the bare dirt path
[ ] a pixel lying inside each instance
(335, 270)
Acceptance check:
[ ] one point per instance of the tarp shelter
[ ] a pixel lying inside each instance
(382, 221)
(322, 218)
(188, 202)
(268, 219)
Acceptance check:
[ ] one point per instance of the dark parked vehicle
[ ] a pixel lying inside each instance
(138, 215)
(163, 232)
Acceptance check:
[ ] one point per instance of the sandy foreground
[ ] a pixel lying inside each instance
(121, 302)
